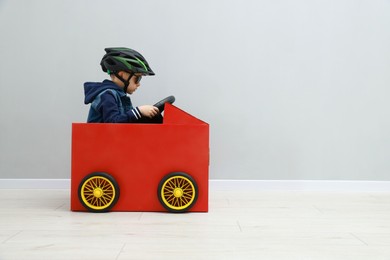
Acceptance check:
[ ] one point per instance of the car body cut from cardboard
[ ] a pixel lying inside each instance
(141, 167)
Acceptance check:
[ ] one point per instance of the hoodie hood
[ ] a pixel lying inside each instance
(92, 89)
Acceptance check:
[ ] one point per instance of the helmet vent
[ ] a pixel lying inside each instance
(110, 62)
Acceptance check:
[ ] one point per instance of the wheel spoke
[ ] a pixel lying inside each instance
(168, 189)
(89, 186)
(171, 184)
(107, 198)
(89, 197)
(186, 186)
(177, 202)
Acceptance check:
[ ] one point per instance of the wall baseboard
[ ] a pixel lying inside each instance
(228, 185)
(302, 185)
(35, 184)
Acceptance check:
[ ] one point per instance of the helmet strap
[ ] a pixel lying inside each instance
(125, 82)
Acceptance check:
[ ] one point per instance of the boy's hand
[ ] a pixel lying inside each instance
(148, 111)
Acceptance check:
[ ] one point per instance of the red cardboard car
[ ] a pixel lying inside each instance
(141, 167)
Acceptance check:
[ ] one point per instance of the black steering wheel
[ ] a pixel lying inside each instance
(160, 104)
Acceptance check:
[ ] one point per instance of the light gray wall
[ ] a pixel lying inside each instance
(292, 89)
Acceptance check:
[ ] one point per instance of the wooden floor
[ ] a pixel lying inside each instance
(37, 224)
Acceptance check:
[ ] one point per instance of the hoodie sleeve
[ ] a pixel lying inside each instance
(108, 107)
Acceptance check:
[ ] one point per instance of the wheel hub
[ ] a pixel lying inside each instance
(97, 192)
(178, 192)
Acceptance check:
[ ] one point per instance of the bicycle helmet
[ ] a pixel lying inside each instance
(125, 59)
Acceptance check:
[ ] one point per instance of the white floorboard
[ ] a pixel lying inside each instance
(241, 224)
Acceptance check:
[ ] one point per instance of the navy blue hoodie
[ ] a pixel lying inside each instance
(109, 103)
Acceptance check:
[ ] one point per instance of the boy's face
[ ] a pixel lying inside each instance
(134, 81)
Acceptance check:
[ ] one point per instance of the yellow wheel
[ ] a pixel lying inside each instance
(98, 192)
(177, 192)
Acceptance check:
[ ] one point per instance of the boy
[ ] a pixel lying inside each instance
(109, 100)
